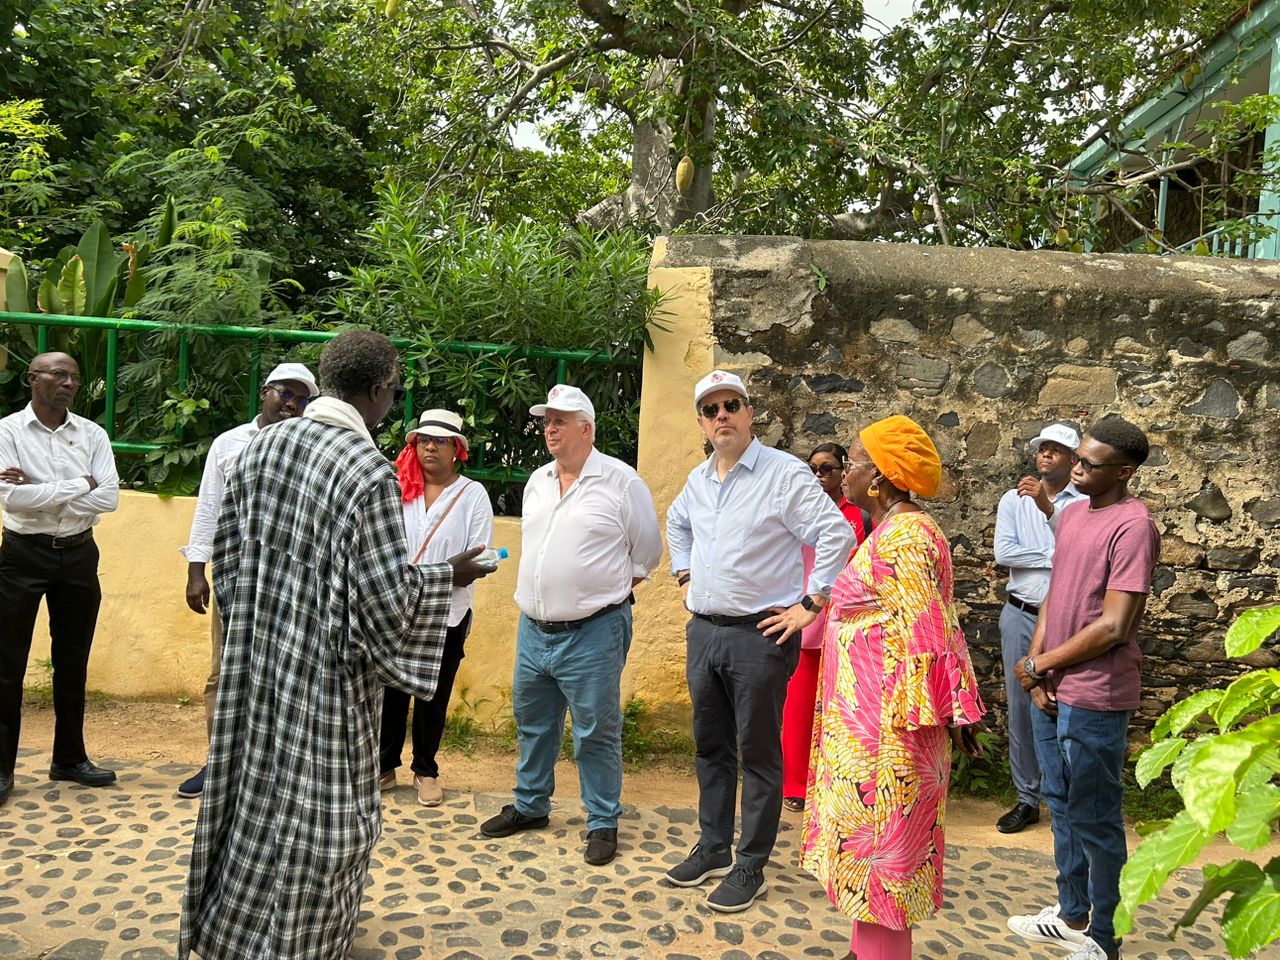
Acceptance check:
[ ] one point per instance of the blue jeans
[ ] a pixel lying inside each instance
(1016, 627)
(580, 669)
(1081, 758)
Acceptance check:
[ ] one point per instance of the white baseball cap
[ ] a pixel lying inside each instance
(1058, 433)
(294, 371)
(718, 380)
(566, 399)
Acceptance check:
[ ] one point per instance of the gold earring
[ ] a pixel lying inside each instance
(873, 490)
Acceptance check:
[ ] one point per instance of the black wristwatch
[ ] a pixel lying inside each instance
(807, 602)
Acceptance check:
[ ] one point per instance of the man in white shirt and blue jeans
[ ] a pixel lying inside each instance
(589, 534)
(288, 390)
(735, 533)
(1024, 543)
(57, 475)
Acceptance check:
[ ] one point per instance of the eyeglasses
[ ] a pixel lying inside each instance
(428, 438)
(710, 410)
(850, 464)
(398, 390)
(286, 395)
(823, 469)
(1090, 466)
(61, 376)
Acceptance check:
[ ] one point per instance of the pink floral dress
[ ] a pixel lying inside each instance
(895, 674)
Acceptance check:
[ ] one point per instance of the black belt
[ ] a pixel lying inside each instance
(57, 543)
(719, 621)
(561, 626)
(1023, 605)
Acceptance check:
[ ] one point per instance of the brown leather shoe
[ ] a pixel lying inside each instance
(387, 781)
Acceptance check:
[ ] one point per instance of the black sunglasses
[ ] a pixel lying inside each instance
(1090, 466)
(709, 410)
(397, 393)
(823, 469)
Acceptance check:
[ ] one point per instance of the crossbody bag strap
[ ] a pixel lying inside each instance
(423, 548)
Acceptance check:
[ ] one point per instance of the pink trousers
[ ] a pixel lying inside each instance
(874, 942)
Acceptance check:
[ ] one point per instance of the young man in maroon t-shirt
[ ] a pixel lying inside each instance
(1083, 673)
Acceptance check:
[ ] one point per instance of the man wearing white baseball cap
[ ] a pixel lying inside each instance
(1025, 544)
(589, 534)
(288, 390)
(735, 533)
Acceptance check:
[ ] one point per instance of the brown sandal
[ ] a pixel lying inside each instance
(794, 804)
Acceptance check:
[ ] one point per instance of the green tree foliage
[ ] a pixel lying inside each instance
(1226, 775)
(436, 276)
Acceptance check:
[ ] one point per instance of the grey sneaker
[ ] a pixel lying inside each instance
(738, 890)
(700, 865)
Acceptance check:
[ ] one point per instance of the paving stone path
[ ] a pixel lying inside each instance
(98, 875)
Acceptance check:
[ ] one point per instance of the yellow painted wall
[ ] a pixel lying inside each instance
(150, 645)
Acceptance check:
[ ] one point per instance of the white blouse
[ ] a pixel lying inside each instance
(469, 524)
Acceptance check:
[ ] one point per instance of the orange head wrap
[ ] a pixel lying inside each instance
(903, 452)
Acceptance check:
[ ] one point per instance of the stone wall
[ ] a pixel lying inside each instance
(983, 347)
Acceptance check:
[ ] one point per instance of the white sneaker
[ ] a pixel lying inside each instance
(1047, 927)
(1089, 950)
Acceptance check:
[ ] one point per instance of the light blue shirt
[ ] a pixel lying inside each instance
(740, 540)
(1025, 542)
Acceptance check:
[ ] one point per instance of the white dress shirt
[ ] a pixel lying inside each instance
(740, 540)
(218, 461)
(56, 499)
(468, 524)
(1025, 542)
(580, 552)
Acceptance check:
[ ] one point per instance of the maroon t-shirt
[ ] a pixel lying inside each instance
(1114, 548)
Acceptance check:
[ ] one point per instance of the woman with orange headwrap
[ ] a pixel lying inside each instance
(897, 690)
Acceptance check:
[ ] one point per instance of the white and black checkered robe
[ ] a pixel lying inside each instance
(322, 608)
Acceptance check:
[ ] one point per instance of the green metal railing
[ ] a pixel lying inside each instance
(114, 327)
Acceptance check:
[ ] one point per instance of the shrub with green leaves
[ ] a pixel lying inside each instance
(1226, 776)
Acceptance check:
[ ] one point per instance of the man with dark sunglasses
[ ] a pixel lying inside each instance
(1084, 676)
(735, 533)
(288, 390)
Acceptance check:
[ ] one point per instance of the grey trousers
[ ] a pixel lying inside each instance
(1016, 627)
(738, 683)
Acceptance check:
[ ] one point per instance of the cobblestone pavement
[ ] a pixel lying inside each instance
(98, 875)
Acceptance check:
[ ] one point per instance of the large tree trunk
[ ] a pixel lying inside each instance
(651, 196)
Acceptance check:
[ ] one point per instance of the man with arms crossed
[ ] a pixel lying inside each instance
(735, 533)
(589, 534)
(57, 475)
(1084, 677)
(1024, 544)
(285, 394)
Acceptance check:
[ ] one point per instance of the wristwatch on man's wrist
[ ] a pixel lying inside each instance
(1029, 668)
(809, 604)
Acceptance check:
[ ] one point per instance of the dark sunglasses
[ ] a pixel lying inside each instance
(709, 410)
(397, 393)
(1090, 466)
(428, 438)
(823, 469)
(286, 395)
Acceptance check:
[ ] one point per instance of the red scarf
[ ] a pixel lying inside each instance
(409, 473)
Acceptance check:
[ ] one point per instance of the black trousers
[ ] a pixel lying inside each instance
(30, 568)
(428, 715)
(738, 684)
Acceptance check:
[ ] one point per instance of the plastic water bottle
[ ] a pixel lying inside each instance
(489, 558)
